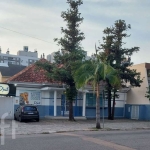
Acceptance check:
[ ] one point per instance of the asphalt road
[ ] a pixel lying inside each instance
(81, 140)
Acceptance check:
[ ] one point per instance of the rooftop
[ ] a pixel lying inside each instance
(32, 75)
(10, 69)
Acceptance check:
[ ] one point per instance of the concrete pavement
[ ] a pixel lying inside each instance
(46, 126)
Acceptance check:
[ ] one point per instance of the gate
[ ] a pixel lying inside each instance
(6, 106)
(135, 112)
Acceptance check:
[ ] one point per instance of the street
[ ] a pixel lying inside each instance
(85, 140)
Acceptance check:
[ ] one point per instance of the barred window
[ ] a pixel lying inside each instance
(91, 100)
(35, 95)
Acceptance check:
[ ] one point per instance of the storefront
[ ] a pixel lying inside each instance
(51, 101)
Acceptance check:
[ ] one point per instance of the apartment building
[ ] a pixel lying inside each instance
(23, 57)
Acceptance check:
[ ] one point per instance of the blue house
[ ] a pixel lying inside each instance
(35, 88)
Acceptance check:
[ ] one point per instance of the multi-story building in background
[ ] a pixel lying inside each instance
(23, 57)
(50, 57)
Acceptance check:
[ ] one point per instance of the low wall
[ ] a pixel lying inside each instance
(142, 113)
(49, 110)
(91, 112)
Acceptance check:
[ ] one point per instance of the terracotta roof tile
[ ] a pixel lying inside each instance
(31, 74)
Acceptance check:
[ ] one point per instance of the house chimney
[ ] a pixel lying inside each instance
(25, 48)
(7, 51)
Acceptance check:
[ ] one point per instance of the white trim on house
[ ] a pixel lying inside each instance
(51, 88)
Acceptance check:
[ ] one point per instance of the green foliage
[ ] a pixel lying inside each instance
(112, 51)
(71, 52)
(72, 35)
(71, 93)
(119, 57)
(94, 71)
(148, 93)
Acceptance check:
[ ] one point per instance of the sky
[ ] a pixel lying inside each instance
(39, 22)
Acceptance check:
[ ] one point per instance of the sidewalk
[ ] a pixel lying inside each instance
(46, 126)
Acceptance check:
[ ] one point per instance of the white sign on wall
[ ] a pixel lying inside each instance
(30, 97)
(4, 89)
(35, 97)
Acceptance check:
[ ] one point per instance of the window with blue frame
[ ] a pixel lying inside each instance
(91, 100)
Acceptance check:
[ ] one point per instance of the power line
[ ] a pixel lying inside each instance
(26, 35)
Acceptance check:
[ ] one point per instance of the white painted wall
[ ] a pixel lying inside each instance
(30, 91)
(80, 96)
(45, 98)
(59, 93)
(6, 106)
(121, 100)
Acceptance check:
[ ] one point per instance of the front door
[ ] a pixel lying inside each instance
(135, 112)
(64, 106)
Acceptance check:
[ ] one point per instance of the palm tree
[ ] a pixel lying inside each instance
(93, 72)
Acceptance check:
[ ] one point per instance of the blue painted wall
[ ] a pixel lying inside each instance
(43, 110)
(119, 112)
(51, 110)
(77, 111)
(128, 109)
(91, 112)
(58, 110)
(144, 111)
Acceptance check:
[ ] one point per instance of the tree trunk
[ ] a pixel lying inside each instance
(109, 101)
(71, 116)
(97, 108)
(113, 108)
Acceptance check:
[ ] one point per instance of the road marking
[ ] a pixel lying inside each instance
(100, 142)
(106, 143)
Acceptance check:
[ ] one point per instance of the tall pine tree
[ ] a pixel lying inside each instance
(71, 52)
(118, 57)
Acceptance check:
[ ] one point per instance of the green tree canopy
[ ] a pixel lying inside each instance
(93, 72)
(112, 51)
(71, 52)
